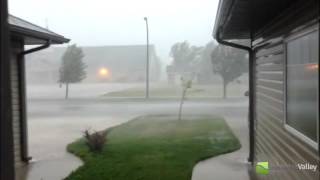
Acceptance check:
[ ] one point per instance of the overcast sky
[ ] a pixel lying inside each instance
(120, 22)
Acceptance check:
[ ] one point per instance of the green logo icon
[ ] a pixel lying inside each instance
(262, 168)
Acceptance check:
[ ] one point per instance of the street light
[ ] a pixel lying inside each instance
(147, 64)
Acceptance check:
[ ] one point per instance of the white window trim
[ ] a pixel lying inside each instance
(301, 136)
(293, 131)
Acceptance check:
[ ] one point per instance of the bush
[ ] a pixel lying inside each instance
(95, 141)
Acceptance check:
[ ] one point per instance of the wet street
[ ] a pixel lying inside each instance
(54, 122)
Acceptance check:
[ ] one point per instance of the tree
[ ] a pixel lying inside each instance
(230, 63)
(184, 57)
(204, 66)
(72, 68)
(206, 53)
(186, 84)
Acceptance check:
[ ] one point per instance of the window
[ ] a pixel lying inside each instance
(302, 98)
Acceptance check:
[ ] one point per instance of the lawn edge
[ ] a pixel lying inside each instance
(108, 130)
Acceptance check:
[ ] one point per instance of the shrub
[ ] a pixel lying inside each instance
(95, 140)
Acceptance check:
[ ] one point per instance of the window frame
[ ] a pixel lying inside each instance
(289, 128)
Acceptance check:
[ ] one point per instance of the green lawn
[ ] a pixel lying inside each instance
(156, 92)
(155, 148)
(234, 90)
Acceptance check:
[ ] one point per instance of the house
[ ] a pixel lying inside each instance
(125, 63)
(21, 33)
(282, 38)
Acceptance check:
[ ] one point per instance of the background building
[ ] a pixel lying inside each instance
(104, 64)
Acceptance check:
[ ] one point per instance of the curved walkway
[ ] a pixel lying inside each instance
(232, 165)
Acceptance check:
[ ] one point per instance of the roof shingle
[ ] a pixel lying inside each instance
(32, 33)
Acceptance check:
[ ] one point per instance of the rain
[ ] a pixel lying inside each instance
(108, 83)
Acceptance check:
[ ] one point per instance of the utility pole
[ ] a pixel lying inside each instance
(147, 66)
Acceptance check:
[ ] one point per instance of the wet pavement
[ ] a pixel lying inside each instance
(53, 123)
(77, 90)
(231, 165)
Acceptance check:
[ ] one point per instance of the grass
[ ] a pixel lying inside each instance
(155, 148)
(156, 92)
(175, 91)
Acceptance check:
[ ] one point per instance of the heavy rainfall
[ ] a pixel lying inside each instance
(106, 76)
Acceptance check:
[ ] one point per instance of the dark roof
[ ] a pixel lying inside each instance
(32, 33)
(236, 18)
(226, 14)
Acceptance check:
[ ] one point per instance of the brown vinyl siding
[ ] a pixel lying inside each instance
(273, 142)
(282, 120)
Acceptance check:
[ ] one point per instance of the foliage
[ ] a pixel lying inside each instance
(189, 59)
(229, 63)
(95, 141)
(184, 56)
(186, 84)
(204, 66)
(155, 147)
(72, 68)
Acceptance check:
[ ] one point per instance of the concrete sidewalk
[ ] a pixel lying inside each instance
(232, 165)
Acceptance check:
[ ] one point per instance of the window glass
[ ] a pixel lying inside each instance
(302, 84)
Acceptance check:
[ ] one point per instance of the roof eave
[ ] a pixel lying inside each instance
(38, 35)
(232, 13)
(217, 22)
(222, 17)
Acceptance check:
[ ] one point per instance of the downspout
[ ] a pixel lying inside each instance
(46, 45)
(23, 116)
(251, 89)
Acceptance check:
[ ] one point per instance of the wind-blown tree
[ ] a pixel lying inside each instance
(72, 68)
(206, 55)
(230, 63)
(184, 57)
(204, 66)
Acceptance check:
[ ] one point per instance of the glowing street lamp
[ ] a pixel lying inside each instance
(103, 72)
